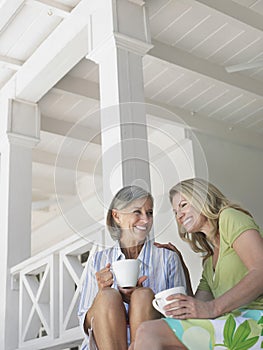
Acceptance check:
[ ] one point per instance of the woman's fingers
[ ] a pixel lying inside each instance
(104, 277)
(105, 269)
(177, 305)
(141, 280)
(169, 246)
(188, 307)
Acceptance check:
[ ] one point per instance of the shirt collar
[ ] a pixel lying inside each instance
(118, 253)
(143, 253)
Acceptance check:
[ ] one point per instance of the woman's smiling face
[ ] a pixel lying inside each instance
(187, 216)
(136, 218)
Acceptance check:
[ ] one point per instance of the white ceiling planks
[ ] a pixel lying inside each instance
(43, 44)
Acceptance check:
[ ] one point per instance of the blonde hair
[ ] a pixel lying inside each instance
(123, 198)
(209, 201)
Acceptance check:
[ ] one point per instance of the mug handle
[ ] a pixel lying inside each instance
(156, 306)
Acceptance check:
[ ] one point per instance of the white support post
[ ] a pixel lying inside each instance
(118, 47)
(19, 132)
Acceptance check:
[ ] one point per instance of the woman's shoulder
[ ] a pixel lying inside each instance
(233, 221)
(232, 214)
(230, 211)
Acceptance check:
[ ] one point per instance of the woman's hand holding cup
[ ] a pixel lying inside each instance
(165, 301)
(127, 277)
(104, 277)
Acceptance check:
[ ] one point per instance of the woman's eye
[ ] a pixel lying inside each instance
(137, 212)
(150, 213)
(183, 204)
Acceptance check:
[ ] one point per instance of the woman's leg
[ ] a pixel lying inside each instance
(141, 309)
(109, 320)
(156, 335)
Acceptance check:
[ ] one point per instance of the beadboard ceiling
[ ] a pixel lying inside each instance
(185, 72)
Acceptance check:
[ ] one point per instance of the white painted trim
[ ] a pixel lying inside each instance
(22, 140)
(201, 66)
(197, 121)
(64, 47)
(138, 2)
(9, 10)
(64, 128)
(10, 62)
(205, 125)
(96, 53)
(52, 7)
(61, 272)
(130, 44)
(238, 12)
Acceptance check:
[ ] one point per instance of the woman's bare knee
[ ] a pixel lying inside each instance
(146, 337)
(142, 295)
(144, 330)
(157, 335)
(108, 299)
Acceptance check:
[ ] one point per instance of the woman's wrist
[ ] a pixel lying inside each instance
(214, 308)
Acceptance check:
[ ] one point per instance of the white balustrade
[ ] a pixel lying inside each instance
(49, 286)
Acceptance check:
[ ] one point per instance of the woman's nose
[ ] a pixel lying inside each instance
(144, 217)
(179, 214)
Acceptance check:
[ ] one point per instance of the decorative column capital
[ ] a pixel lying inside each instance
(120, 41)
(22, 123)
(128, 43)
(127, 29)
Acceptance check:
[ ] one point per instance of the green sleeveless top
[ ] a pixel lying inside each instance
(229, 269)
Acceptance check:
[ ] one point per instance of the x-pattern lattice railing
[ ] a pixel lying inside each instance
(71, 278)
(36, 302)
(49, 290)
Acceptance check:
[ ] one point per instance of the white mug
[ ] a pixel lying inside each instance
(126, 272)
(159, 301)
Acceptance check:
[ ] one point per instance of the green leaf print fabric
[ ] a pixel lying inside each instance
(240, 330)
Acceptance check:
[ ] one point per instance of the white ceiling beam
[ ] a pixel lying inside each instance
(199, 65)
(233, 9)
(78, 86)
(10, 62)
(196, 121)
(63, 128)
(60, 52)
(53, 7)
(50, 159)
(9, 10)
(41, 184)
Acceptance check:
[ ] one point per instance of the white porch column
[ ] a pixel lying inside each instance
(19, 132)
(118, 47)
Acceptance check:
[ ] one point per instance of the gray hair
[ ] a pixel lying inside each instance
(123, 198)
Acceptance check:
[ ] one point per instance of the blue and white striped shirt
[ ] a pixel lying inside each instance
(162, 267)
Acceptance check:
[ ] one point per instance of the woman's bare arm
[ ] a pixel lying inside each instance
(249, 247)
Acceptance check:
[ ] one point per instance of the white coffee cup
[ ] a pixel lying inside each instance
(159, 301)
(126, 272)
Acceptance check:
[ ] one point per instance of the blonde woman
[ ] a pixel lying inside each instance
(227, 310)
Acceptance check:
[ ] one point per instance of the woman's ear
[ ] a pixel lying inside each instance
(115, 215)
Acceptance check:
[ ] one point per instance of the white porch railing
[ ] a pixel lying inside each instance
(49, 287)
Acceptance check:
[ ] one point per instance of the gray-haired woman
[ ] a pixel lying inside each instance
(110, 315)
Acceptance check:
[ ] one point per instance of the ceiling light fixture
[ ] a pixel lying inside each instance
(244, 66)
